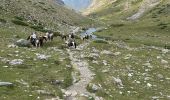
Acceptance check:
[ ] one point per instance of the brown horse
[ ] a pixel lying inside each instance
(37, 42)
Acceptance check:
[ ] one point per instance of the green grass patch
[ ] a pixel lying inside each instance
(19, 22)
(100, 41)
(3, 20)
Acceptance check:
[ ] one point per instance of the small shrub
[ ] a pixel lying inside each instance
(19, 18)
(3, 20)
(57, 34)
(89, 58)
(67, 81)
(19, 22)
(100, 41)
(57, 62)
(39, 28)
(117, 25)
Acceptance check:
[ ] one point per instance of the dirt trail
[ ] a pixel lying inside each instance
(145, 6)
(78, 90)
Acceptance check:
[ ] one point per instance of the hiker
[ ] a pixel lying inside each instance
(71, 35)
(33, 38)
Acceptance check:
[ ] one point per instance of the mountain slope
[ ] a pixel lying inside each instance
(123, 9)
(35, 73)
(48, 13)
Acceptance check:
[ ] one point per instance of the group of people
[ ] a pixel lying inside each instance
(37, 40)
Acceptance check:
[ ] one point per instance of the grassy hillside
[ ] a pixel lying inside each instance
(35, 78)
(134, 51)
(154, 23)
(44, 13)
(130, 63)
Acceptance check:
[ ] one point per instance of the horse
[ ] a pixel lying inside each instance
(70, 44)
(37, 42)
(86, 37)
(40, 41)
(32, 40)
(49, 36)
(63, 37)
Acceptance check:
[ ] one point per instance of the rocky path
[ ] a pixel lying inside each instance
(78, 90)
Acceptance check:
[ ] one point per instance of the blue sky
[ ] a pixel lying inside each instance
(77, 4)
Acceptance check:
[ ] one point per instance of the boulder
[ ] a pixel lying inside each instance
(42, 56)
(118, 81)
(95, 88)
(6, 84)
(23, 43)
(16, 62)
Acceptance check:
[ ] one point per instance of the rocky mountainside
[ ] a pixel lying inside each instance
(50, 14)
(126, 9)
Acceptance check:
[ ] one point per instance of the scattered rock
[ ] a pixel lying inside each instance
(118, 81)
(95, 88)
(95, 62)
(106, 52)
(16, 51)
(155, 98)
(164, 61)
(16, 62)
(94, 55)
(23, 43)
(117, 53)
(164, 51)
(130, 74)
(105, 62)
(5, 60)
(95, 50)
(43, 92)
(68, 66)
(6, 84)
(74, 93)
(42, 56)
(23, 82)
(120, 92)
(158, 57)
(56, 82)
(128, 56)
(105, 71)
(148, 65)
(149, 85)
(5, 66)
(68, 93)
(12, 46)
(160, 76)
(168, 97)
(45, 65)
